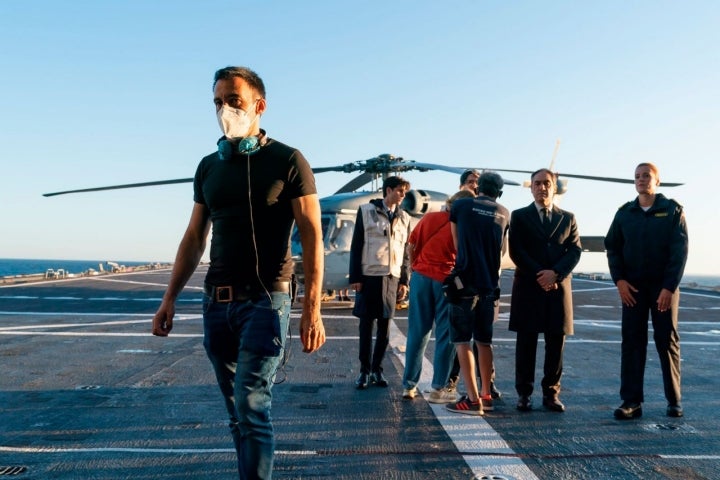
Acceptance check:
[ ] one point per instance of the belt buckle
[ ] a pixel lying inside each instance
(224, 294)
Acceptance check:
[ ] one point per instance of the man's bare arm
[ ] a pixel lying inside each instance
(187, 258)
(306, 211)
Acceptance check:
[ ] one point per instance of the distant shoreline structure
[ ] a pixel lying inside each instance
(696, 282)
(26, 270)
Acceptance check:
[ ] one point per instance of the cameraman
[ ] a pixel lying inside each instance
(479, 229)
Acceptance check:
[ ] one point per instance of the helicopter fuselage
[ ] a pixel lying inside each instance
(338, 223)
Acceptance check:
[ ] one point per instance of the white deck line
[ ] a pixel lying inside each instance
(472, 435)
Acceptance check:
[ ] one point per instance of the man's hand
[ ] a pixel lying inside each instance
(356, 286)
(402, 292)
(312, 332)
(664, 300)
(547, 279)
(163, 320)
(626, 293)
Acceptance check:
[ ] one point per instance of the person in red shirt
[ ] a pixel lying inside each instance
(432, 254)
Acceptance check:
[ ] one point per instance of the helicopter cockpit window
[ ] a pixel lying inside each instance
(296, 244)
(341, 236)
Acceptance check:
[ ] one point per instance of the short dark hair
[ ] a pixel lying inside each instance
(491, 184)
(252, 78)
(545, 170)
(466, 174)
(394, 182)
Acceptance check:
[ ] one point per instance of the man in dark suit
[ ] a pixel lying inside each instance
(545, 246)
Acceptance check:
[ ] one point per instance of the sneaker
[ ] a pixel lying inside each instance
(442, 395)
(487, 403)
(464, 405)
(451, 385)
(409, 393)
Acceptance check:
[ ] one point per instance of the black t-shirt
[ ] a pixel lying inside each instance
(249, 202)
(481, 227)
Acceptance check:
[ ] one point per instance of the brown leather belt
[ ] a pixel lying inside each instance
(240, 293)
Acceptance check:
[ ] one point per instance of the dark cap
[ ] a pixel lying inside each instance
(491, 183)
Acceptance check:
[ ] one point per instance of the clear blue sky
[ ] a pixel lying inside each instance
(95, 93)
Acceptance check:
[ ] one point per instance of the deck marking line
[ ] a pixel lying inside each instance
(474, 438)
(184, 451)
(179, 451)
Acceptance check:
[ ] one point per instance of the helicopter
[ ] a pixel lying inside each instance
(338, 211)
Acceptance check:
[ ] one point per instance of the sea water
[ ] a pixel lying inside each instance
(27, 266)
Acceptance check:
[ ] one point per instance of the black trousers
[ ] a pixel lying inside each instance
(373, 363)
(635, 340)
(525, 353)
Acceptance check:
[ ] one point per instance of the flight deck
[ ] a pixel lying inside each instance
(88, 393)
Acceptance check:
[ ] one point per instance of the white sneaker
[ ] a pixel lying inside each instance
(409, 393)
(441, 396)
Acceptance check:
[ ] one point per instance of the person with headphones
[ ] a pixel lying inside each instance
(545, 246)
(250, 191)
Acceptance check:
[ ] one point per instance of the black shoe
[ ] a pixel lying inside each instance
(378, 379)
(362, 381)
(494, 392)
(628, 410)
(553, 404)
(674, 411)
(524, 403)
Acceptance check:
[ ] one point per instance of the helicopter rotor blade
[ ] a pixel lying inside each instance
(371, 168)
(337, 168)
(357, 182)
(592, 177)
(615, 180)
(127, 185)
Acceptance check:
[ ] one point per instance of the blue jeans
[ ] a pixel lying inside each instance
(427, 304)
(244, 342)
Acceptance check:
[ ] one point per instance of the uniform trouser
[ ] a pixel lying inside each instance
(368, 363)
(635, 340)
(244, 342)
(525, 352)
(427, 305)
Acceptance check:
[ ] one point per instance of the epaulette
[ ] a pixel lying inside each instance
(676, 206)
(626, 205)
(675, 202)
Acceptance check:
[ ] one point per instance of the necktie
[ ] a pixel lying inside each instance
(546, 217)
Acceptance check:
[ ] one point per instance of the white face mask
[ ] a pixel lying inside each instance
(234, 122)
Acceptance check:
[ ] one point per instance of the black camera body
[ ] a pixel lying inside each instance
(455, 289)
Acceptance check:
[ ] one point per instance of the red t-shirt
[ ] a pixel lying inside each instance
(433, 253)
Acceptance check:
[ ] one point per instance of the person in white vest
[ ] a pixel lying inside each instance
(379, 273)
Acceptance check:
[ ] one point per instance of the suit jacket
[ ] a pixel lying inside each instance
(534, 248)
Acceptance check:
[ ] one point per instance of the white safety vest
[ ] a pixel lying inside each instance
(384, 245)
